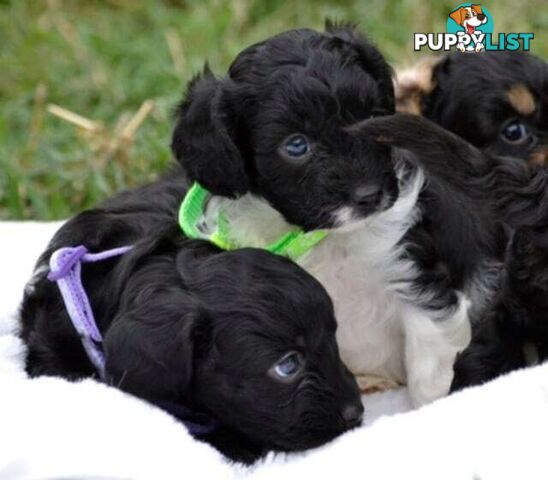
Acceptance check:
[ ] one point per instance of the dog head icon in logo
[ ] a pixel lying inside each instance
(467, 21)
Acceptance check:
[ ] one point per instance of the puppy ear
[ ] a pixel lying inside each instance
(204, 137)
(415, 84)
(457, 15)
(369, 57)
(149, 351)
(477, 8)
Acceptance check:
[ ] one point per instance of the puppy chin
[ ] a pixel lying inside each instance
(349, 219)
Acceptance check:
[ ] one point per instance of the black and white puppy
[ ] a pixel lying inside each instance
(498, 101)
(245, 338)
(405, 248)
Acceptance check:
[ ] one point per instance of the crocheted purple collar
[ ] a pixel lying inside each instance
(66, 270)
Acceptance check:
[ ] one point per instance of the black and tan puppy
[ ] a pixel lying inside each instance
(242, 340)
(498, 101)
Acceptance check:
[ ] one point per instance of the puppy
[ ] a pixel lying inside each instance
(469, 18)
(497, 101)
(243, 340)
(405, 247)
(513, 333)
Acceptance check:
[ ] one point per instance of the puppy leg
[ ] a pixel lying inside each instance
(431, 346)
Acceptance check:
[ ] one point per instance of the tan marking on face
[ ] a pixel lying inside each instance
(539, 157)
(521, 99)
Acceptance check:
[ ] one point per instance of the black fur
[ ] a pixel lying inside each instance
(319, 85)
(470, 98)
(229, 137)
(514, 333)
(186, 324)
(457, 210)
(517, 321)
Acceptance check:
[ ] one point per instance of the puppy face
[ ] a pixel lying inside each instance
(498, 101)
(276, 126)
(469, 17)
(270, 367)
(249, 339)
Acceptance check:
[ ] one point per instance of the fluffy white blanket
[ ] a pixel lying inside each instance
(50, 428)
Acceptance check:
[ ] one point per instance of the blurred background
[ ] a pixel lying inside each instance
(87, 87)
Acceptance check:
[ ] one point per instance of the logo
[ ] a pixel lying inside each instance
(470, 29)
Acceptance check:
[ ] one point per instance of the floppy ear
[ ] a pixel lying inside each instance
(369, 57)
(149, 351)
(477, 8)
(204, 137)
(458, 15)
(415, 84)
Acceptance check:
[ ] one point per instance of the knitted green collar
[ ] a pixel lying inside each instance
(293, 244)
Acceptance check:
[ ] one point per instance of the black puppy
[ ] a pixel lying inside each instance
(496, 100)
(245, 338)
(514, 332)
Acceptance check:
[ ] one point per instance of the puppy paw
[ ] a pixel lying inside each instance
(460, 47)
(479, 47)
(369, 384)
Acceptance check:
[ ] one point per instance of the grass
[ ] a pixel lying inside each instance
(103, 59)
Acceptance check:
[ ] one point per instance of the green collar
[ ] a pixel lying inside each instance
(293, 244)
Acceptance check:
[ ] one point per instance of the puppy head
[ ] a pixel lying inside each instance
(276, 127)
(246, 337)
(469, 17)
(268, 363)
(498, 101)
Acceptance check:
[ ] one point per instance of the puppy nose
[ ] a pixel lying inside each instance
(353, 414)
(367, 195)
(481, 16)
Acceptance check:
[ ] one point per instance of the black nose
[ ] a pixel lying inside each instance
(367, 195)
(353, 414)
(481, 16)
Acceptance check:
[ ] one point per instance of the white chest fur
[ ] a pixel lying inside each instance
(359, 267)
(361, 270)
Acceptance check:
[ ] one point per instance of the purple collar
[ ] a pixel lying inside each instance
(66, 270)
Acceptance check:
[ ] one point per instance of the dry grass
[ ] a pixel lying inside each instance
(87, 86)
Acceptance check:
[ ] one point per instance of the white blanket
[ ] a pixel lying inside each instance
(50, 428)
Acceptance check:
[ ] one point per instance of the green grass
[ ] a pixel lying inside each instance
(102, 59)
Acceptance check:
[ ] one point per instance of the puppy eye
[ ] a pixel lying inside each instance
(287, 367)
(296, 146)
(514, 132)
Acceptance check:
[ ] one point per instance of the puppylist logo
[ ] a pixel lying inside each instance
(470, 29)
